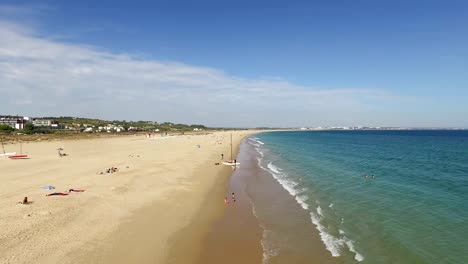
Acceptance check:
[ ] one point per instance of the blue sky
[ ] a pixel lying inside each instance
(383, 63)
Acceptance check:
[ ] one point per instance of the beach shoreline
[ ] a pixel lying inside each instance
(236, 236)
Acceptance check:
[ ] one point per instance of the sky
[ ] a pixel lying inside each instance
(238, 63)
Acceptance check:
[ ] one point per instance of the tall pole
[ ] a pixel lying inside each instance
(3, 147)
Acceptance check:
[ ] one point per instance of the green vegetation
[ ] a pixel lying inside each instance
(6, 129)
(28, 128)
(81, 123)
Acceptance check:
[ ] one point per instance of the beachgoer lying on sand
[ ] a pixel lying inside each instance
(25, 201)
(57, 193)
(75, 190)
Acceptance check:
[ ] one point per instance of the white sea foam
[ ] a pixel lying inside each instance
(256, 141)
(259, 152)
(288, 184)
(273, 168)
(319, 211)
(268, 243)
(332, 243)
(358, 257)
(351, 248)
(259, 162)
(301, 199)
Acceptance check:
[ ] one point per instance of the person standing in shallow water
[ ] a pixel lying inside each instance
(233, 198)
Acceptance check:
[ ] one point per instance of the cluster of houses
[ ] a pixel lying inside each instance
(18, 122)
(107, 128)
(349, 128)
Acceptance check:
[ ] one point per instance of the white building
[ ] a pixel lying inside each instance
(42, 122)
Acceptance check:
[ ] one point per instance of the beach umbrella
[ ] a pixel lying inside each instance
(48, 187)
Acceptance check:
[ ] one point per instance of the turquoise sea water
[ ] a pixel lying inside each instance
(415, 210)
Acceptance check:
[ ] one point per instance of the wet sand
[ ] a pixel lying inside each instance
(277, 230)
(236, 237)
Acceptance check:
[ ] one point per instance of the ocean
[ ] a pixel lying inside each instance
(366, 196)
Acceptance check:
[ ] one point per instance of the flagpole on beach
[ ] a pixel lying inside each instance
(3, 146)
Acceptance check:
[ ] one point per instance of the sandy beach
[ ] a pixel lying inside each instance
(146, 212)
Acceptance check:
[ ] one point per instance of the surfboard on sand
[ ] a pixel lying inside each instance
(230, 163)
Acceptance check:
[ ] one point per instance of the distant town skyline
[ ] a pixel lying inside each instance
(242, 64)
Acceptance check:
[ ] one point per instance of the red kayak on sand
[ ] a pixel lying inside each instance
(22, 156)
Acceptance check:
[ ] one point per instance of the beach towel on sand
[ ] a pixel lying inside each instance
(57, 193)
(75, 190)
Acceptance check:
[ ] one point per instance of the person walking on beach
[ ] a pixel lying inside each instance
(233, 198)
(226, 201)
(222, 156)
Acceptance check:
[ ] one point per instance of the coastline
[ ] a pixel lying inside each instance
(165, 205)
(190, 244)
(266, 225)
(236, 236)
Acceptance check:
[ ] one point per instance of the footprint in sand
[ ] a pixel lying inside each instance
(119, 189)
(44, 213)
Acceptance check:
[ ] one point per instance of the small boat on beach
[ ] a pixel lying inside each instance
(231, 162)
(6, 154)
(18, 156)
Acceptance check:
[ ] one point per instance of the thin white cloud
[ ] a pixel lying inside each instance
(40, 76)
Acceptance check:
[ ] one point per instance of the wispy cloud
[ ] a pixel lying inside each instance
(40, 76)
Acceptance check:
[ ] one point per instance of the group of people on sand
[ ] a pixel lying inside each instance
(226, 200)
(149, 135)
(110, 170)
